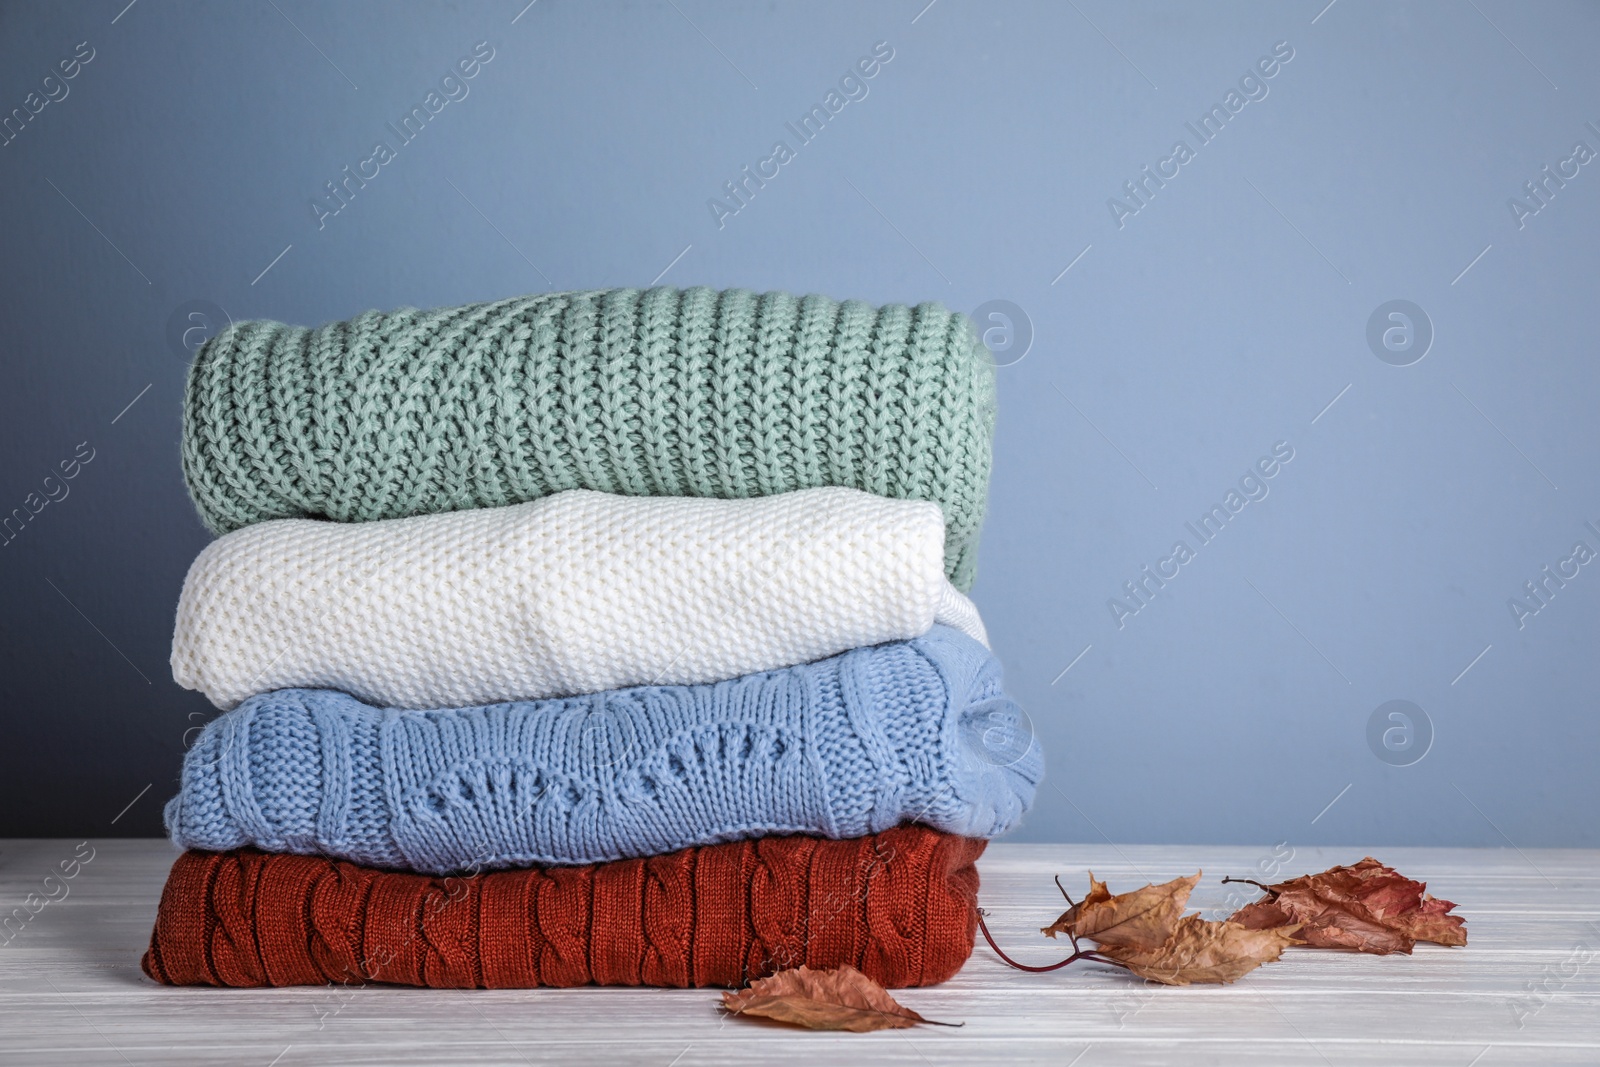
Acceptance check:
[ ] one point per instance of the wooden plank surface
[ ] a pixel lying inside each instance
(1525, 991)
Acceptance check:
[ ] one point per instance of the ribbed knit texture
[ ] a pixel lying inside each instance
(908, 731)
(900, 906)
(658, 392)
(576, 593)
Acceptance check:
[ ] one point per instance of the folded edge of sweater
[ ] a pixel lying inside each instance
(916, 730)
(580, 592)
(900, 906)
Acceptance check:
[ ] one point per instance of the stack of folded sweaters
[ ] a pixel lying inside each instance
(608, 637)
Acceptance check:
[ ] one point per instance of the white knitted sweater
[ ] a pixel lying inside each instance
(575, 593)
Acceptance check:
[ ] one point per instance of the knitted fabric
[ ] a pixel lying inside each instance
(909, 731)
(659, 392)
(901, 906)
(576, 593)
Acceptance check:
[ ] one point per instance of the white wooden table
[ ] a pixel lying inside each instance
(1526, 990)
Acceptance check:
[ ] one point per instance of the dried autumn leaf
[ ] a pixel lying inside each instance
(1067, 923)
(1202, 951)
(1141, 920)
(840, 999)
(1324, 927)
(1431, 921)
(1367, 906)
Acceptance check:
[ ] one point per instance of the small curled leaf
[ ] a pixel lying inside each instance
(839, 999)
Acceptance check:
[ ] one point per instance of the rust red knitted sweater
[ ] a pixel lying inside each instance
(901, 906)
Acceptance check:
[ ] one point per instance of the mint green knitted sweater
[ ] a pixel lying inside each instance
(659, 392)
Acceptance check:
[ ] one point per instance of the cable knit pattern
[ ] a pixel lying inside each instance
(908, 731)
(659, 392)
(576, 593)
(900, 906)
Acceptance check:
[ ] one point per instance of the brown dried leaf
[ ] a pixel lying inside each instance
(1366, 906)
(1322, 927)
(1204, 951)
(840, 999)
(1432, 922)
(1068, 921)
(1141, 920)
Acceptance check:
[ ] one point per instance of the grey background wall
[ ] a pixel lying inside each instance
(1157, 349)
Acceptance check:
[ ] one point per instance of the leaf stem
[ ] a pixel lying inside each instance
(1251, 881)
(1077, 953)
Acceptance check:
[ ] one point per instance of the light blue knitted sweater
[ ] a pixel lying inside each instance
(914, 730)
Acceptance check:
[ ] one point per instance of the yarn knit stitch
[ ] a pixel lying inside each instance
(901, 906)
(916, 730)
(659, 392)
(576, 593)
